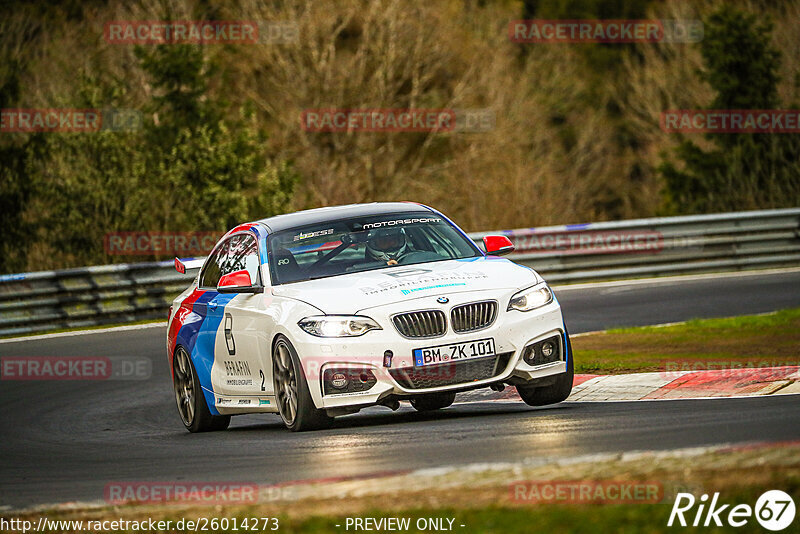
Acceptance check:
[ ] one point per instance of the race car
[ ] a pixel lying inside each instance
(323, 312)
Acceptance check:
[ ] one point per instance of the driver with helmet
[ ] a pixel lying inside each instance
(387, 245)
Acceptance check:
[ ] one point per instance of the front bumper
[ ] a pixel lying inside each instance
(512, 331)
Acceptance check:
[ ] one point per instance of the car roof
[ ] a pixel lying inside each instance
(337, 213)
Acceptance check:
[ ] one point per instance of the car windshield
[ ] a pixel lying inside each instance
(364, 244)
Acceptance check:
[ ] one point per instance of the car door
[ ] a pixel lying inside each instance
(242, 347)
(206, 308)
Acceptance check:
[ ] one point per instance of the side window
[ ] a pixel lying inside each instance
(214, 265)
(243, 255)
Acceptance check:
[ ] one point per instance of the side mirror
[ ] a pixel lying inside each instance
(497, 245)
(237, 282)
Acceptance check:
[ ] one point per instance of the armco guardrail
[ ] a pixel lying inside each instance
(660, 246)
(41, 301)
(89, 296)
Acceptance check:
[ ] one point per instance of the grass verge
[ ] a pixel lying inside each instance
(482, 498)
(749, 341)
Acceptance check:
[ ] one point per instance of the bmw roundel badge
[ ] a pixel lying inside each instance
(443, 300)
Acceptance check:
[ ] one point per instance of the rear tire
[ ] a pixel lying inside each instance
(295, 405)
(554, 393)
(433, 401)
(189, 396)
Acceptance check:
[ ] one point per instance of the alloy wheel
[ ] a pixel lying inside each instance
(184, 386)
(285, 382)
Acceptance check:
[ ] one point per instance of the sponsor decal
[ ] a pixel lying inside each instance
(243, 401)
(351, 394)
(229, 341)
(406, 272)
(422, 282)
(236, 368)
(309, 235)
(339, 380)
(262, 402)
(223, 400)
(239, 382)
(398, 222)
(438, 286)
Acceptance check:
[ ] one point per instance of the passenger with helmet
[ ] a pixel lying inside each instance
(387, 245)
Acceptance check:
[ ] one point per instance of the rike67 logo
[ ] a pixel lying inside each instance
(774, 510)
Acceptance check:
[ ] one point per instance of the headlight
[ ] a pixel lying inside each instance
(338, 325)
(531, 298)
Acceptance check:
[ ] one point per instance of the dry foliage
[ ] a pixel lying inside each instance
(569, 145)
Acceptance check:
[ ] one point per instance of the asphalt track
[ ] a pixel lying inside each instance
(64, 441)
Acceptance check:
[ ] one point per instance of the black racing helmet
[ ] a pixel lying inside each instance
(386, 244)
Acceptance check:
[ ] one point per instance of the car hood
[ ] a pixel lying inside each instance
(351, 293)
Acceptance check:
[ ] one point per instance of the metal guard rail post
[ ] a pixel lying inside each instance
(90, 296)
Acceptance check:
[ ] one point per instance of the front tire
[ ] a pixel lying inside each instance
(295, 405)
(554, 393)
(433, 401)
(189, 396)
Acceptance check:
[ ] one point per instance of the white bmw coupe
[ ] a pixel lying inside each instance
(323, 312)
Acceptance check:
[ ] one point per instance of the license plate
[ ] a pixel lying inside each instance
(454, 352)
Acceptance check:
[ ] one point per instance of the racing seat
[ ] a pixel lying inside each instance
(286, 266)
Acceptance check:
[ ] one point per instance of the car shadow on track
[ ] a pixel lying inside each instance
(376, 416)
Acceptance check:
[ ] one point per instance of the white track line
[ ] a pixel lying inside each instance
(677, 278)
(571, 287)
(124, 328)
(568, 401)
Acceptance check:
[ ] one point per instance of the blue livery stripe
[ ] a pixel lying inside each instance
(203, 351)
